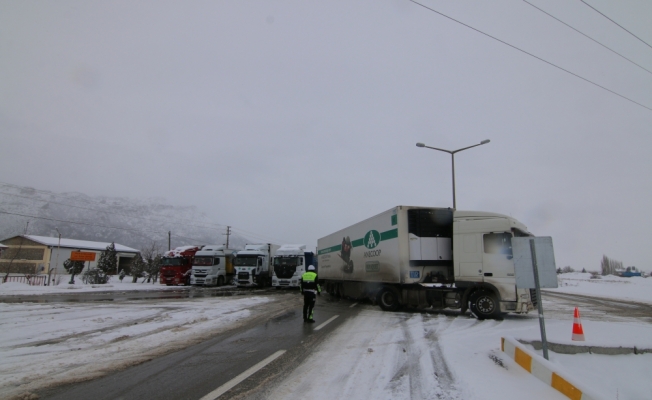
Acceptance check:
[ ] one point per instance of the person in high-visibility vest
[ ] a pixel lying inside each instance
(310, 289)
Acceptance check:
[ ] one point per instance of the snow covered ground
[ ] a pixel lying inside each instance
(376, 355)
(613, 287)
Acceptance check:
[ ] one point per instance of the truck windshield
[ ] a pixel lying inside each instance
(286, 261)
(173, 261)
(203, 261)
(245, 261)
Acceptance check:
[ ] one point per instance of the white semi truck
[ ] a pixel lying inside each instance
(427, 258)
(253, 265)
(290, 262)
(213, 266)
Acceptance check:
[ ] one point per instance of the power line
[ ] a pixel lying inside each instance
(589, 37)
(531, 55)
(621, 27)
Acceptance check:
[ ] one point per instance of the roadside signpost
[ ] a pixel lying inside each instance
(534, 264)
(81, 256)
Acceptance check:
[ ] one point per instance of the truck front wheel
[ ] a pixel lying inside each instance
(388, 299)
(484, 304)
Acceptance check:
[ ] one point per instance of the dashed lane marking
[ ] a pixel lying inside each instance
(233, 382)
(326, 323)
(353, 305)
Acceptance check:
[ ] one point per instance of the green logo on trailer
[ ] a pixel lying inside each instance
(371, 239)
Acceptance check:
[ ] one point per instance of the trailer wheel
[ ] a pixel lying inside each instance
(484, 304)
(220, 280)
(388, 299)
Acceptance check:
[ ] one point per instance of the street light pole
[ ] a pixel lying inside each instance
(56, 264)
(452, 153)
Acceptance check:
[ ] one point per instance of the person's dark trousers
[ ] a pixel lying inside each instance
(309, 299)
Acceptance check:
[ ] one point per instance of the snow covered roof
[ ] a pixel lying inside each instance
(78, 244)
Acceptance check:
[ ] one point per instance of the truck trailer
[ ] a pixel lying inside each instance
(290, 262)
(426, 257)
(213, 266)
(253, 265)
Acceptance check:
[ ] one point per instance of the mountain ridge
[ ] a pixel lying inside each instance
(136, 223)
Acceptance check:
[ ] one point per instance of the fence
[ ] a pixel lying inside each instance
(34, 280)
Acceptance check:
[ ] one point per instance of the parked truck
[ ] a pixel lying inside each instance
(427, 258)
(213, 266)
(290, 262)
(253, 265)
(176, 265)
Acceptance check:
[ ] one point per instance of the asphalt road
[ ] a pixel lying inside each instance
(198, 370)
(201, 369)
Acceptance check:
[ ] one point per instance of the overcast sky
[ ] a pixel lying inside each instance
(294, 119)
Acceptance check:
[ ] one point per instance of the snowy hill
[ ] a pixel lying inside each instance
(132, 222)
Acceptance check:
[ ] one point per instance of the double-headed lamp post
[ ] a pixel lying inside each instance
(452, 153)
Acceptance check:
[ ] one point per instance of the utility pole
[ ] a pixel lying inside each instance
(169, 240)
(228, 233)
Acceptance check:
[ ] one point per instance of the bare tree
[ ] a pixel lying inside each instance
(609, 266)
(138, 266)
(152, 255)
(20, 246)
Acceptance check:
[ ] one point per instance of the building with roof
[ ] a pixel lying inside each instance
(30, 254)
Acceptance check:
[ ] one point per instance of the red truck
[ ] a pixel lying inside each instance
(177, 264)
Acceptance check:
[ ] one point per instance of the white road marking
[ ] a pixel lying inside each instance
(326, 323)
(233, 382)
(353, 305)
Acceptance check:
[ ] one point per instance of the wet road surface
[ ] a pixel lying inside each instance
(201, 369)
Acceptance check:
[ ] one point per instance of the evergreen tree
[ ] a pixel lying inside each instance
(137, 267)
(108, 262)
(73, 267)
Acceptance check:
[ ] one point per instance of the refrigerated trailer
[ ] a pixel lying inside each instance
(427, 258)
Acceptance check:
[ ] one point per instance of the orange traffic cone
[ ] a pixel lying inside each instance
(578, 332)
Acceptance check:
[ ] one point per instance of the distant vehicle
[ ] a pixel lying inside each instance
(213, 266)
(628, 272)
(176, 265)
(427, 258)
(253, 265)
(290, 263)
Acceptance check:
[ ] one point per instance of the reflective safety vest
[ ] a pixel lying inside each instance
(309, 282)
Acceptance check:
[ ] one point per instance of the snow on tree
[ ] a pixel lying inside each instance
(138, 266)
(108, 262)
(73, 267)
(152, 255)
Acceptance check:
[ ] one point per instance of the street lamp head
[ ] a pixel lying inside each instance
(421, 145)
(485, 141)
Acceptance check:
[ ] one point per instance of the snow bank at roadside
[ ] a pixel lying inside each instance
(42, 344)
(16, 288)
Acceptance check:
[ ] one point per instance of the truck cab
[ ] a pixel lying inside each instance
(252, 265)
(176, 265)
(289, 264)
(213, 266)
